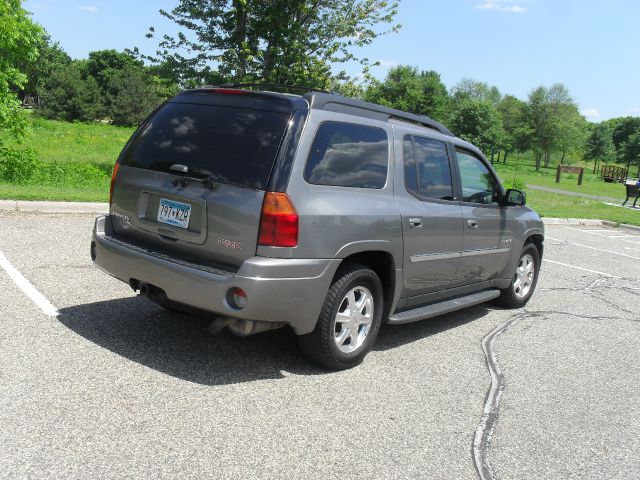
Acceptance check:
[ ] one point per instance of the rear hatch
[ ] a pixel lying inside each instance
(191, 180)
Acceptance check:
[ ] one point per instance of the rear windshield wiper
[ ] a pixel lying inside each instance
(208, 179)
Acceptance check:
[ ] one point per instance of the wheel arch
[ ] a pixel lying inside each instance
(384, 265)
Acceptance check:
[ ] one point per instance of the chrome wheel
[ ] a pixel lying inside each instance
(525, 273)
(353, 319)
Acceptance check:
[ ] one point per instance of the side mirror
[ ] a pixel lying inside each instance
(514, 198)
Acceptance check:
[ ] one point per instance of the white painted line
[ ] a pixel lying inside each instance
(601, 235)
(593, 248)
(580, 268)
(29, 290)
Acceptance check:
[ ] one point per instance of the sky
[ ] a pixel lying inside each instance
(592, 46)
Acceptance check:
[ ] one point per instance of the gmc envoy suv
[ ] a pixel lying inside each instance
(317, 212)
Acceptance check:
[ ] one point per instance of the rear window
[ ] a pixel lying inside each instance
(231, 144)
(348, 155)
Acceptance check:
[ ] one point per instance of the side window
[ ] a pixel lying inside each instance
(478, 184)
(426, 168)
(348, 155)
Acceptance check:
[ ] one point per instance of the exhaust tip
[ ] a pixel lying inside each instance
(93, 251)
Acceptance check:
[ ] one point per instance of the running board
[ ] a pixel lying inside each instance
(441, 308)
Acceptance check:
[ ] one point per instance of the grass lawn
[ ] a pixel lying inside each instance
(62, 142)
(55, 193)
(564, 206)
(523, 168)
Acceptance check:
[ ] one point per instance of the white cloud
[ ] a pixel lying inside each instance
(88, 8)
(502, 6)
(591, 113)
(634, 110)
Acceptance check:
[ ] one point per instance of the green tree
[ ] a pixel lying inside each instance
(103, 65)
(18, 42)
(599, 145)
(478, 122)
(572, 133)
(279, 41)
(512, 111)
(133, 95)
(631, 151)
(622, 129)
(547, 110)
(50, 57)
(70, 93)
(469, 89)
(406, 88)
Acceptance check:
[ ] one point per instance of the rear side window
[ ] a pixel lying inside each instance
(427, 172)
(232, 144)
(348, 155)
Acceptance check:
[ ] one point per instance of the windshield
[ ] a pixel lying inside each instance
(229, 144)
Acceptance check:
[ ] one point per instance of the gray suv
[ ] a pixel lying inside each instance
(317, 212)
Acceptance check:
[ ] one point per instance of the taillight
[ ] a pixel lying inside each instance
(113, 180)
(279, 221)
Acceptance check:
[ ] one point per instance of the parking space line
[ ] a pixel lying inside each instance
(592, 248)
(601, 235)
(581, 268)
(29, 290)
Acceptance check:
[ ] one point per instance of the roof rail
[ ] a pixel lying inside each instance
(302, 88)
(324, 101)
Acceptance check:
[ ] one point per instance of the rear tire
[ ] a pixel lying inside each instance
(349, 321)
(525, 278)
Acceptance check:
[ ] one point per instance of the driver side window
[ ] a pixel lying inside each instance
(478, 184)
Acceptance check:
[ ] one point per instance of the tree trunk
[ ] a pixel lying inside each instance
(547, 158)
(504, 159)
(499, 152)
(562, 159)
(595, 166)
(538, 160)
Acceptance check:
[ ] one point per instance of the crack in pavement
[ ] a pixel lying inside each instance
(488, 420)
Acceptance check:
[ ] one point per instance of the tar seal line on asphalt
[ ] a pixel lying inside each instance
(29, 290)
(482, 437)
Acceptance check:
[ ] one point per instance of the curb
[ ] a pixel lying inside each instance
(589, 222)
(626, 226)
(52, 207)
(572, 221)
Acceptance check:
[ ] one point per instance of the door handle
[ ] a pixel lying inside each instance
(415, 222)
(472, 223)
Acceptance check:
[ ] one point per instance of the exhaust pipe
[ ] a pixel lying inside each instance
(242, 328)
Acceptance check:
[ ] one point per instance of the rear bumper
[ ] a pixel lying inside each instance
(291, 291)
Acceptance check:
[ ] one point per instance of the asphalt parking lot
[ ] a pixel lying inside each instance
(116, 387)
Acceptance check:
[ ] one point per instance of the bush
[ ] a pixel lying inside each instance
(18, 166)
(516, 184)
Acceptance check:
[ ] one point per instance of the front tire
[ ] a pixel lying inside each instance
(349, 321)
(524, 280)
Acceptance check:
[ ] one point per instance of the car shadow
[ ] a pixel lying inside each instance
(181, 346)
(392, 336)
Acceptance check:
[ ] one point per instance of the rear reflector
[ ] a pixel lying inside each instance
(279, 221)
(116, 167)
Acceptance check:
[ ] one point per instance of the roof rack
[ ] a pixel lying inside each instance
(302, 88)
(349, 105)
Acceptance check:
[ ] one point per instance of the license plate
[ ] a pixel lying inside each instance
(174, 213)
